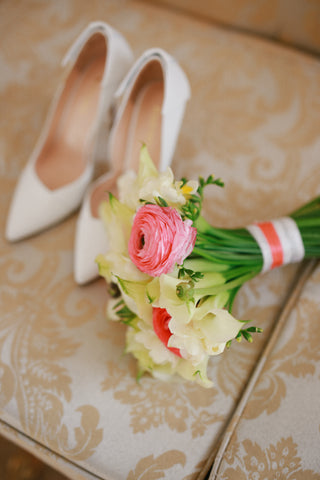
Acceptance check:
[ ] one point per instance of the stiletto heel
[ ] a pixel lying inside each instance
(60, 168)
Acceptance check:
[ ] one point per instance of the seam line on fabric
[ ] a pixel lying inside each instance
(303, 275)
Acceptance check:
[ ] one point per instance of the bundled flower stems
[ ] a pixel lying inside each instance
(175, 277)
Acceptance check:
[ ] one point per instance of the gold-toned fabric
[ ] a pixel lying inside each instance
(278, 435)
(253, 120)
(294, 22)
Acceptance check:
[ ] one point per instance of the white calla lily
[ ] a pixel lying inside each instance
(134, 294)
(206, 332)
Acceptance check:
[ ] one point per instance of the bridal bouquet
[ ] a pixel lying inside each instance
(174, 277)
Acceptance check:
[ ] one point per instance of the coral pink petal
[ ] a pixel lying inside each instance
(161, 319)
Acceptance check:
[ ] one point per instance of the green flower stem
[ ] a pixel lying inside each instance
(307, 222)
(236, 247)
(227, 258)
(216, 289)
(198, 264)
(310, 207)
(236, 255)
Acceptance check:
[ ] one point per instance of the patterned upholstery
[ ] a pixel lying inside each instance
(66, 391)
(278, 433)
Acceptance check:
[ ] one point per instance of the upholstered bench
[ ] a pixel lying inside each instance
(67, 392)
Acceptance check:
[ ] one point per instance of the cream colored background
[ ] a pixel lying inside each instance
(254, 120)
(294, 22)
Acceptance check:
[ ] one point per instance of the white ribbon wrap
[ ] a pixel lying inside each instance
(280, 242)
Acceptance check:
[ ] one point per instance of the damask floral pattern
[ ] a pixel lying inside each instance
(298, 357)
(282, 406)
(33, 373)
(252, 120)
(277, 461)
(179, 406)
(155, 468)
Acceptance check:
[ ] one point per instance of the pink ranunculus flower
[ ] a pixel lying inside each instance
(160, 320)
(160, 239)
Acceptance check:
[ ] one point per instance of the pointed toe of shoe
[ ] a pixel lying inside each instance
(16, 229)
(29, 211)
(15, 226)
(35, 208)
(91, 240)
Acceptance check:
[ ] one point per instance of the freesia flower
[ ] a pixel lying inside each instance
(150, 184)
(160, 239)
(164, 186)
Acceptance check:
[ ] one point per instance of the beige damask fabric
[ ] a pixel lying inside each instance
(64, 383)
(278, 435)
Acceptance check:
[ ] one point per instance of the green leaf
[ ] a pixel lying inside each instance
(123, 312)
(161, 202)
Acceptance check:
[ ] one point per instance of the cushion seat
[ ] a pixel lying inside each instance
(286, 392)
(67, 392)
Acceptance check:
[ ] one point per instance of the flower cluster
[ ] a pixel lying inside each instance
(174, 305)
(175, 276)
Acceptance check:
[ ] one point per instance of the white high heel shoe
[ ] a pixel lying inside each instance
(60, 168)
(154, 94)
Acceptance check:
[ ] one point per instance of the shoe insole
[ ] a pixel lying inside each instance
(144, 127)
(64, 155)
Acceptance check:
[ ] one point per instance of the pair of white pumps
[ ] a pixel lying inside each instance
(55, 181)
